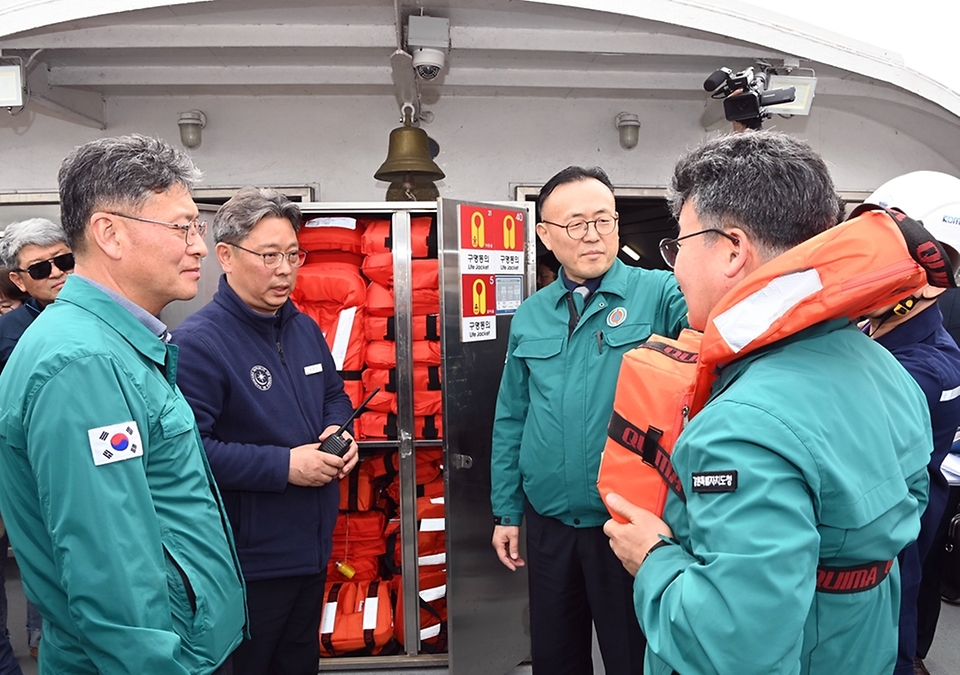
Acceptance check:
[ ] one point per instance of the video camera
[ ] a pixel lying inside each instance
(750, 105)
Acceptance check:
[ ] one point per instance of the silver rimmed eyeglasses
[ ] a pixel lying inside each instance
(195, 226)
(578, 229)
(669, 248)
(274, 259)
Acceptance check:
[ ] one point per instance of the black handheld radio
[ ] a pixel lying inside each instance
(335, 443)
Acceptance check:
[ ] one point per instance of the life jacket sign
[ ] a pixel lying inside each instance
(491, 240)
(478, 307)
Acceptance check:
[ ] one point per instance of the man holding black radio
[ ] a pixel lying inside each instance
(265, 390)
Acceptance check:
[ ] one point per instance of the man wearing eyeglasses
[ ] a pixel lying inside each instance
(265, 390)
(555, 400)
(120, 535)
(804, 473)
(36, 254)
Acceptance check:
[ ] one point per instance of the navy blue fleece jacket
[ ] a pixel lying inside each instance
(260, 385)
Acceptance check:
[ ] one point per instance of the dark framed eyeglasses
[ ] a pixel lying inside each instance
(273, 260)
(669, 248)
(577, 230)
(43, 269)
(194, 227)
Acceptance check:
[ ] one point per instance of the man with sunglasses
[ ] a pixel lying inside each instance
(120, 534)
(265, 390)
(555, 400)
(36, 253)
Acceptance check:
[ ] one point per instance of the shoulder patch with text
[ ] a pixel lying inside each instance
(715, 481)
(115, 443)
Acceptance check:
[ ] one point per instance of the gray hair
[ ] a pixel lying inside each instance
(117, 173)
(35, 231)
(237, 218)
(773, 186)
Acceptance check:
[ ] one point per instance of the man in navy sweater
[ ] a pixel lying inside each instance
(264, 388)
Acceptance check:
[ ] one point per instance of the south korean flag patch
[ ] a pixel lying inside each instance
(115, 443)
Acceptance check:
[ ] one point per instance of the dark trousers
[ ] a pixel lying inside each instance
(575, 580)
(935, 571)
(284, 627)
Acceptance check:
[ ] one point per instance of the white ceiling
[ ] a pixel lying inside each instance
(497, 48)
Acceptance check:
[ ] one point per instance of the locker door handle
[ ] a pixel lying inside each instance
(461, 461)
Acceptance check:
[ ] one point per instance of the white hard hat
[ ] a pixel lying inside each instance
(930, 197)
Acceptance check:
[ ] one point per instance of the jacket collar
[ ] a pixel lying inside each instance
(917, 329)
(228, 299)
(614, 282)
(79, 292)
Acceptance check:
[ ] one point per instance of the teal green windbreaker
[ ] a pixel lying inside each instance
(829, 438)
(556, 393)
(130, 562)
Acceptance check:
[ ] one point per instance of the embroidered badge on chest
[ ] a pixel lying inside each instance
(715, 481)
(261, 377)
(616, 316)
(115, 443)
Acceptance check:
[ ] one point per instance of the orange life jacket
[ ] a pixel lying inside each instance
(380, 300)
(425, 327)
(333, 295)
(423, 273)
(427, 396)
(383, 354)
(322, 234)
(359, 541)
(431, 535)
(433, 608)
(379, 425)
(859, 266)
(423, 238)
(357, 618)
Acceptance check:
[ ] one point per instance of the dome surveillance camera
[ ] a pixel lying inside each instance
(428, 62)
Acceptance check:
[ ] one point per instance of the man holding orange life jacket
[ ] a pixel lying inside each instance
(556, 396)
(804, 474)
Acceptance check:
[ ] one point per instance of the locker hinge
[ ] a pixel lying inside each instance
(461, 461)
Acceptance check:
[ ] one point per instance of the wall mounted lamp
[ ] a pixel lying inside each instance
(805, 87)
(191, 122)
(628, 124)
(11, 85)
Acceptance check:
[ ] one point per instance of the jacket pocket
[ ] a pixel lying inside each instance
(183, 597)
(174, 420)
(538, 348)
(627, 336)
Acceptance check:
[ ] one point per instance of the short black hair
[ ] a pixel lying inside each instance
(571, 174)
(774, 186)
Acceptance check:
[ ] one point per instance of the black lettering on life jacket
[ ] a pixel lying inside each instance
(938, 270)
(623, 433)
(671, 351)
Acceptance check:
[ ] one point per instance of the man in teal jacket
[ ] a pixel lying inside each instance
(120, 534)
(555, 399)
(804, 474)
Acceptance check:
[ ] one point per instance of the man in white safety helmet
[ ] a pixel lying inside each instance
(912, 331)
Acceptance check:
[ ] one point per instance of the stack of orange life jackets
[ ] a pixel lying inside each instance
(380, 331)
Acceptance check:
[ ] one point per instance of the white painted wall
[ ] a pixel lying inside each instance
(486, 143)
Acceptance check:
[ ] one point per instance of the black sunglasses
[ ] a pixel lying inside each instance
(41, 270)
